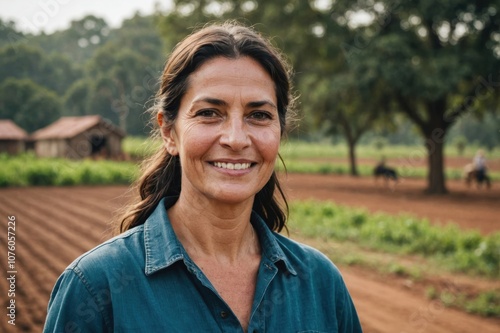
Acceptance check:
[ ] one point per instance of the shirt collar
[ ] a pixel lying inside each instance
(163, 248)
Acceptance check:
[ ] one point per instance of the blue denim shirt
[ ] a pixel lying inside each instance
(144, 281)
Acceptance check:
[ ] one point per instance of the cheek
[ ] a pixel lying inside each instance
(268, 143)
(195, 141)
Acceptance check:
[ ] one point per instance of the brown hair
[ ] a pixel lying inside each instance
(161, 174)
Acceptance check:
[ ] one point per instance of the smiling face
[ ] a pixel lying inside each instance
(227, 131)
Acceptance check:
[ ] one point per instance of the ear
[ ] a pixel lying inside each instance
(167, 134)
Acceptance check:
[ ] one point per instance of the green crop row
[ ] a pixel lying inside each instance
(28, 170)
(458, 250)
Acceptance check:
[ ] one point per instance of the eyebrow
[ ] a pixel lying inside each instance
(257, 104)
(220, 102)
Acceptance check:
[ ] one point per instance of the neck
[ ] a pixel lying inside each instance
(209, 230)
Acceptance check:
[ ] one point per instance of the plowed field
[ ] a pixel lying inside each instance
(55, 225)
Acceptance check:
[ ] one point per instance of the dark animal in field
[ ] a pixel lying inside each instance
(471, 175)
(389, 174)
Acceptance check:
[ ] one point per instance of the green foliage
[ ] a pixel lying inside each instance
(460, 142)
(430, 62)
(9, 35)
(76, 98)
(484, 131)
(92, 68)
(78, 42)
(379, 143)
(464, 251)
(54, 72)
(431, 292)
(28, 104)
(28, 170)
(485, 304)
(415, 54)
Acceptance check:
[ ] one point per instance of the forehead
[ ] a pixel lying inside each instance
(242, 71)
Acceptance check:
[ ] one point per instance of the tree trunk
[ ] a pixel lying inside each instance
(435, 133)
(436, 176)
(352, 157)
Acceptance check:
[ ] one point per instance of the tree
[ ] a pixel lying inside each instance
(78, 42)
(20, 61)
(28, 104)
(9, 36)
(122, 75)
(306, 34)
(76, 98)
(55, 72)
(118, 84)
(297, 27)
(437, 60)
(112, 72)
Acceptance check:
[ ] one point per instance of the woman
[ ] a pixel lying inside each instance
(200, 252)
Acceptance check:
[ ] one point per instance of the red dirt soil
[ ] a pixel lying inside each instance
(470, 208)
(56, 225)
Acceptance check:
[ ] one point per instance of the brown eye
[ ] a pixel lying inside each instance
(261, 115)
(207, 113)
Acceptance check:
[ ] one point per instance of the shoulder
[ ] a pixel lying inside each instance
(118, 252)
(82, 293)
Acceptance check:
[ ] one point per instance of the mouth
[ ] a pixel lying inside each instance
(232, 166)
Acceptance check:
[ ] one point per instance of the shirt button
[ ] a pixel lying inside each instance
(224, 314)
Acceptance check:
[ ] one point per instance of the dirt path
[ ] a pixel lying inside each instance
(56, 225)
(386, 308)
(469, 208)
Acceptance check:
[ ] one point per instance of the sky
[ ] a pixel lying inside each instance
(35, 16)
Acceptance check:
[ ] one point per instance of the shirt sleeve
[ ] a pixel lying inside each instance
(75, 306)
(348, 318)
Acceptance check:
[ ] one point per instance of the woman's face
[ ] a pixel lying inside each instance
(227, 132)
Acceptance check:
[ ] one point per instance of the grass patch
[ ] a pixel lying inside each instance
(460, 251)
(486, 303)
(403, 246)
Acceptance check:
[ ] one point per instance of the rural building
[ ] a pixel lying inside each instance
(79, 137)
(12, 138)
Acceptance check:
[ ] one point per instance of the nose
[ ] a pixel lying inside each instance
(235, 135)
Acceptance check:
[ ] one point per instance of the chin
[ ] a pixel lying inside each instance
(233, 197)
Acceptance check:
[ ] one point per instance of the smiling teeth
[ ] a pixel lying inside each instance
(232, 166)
